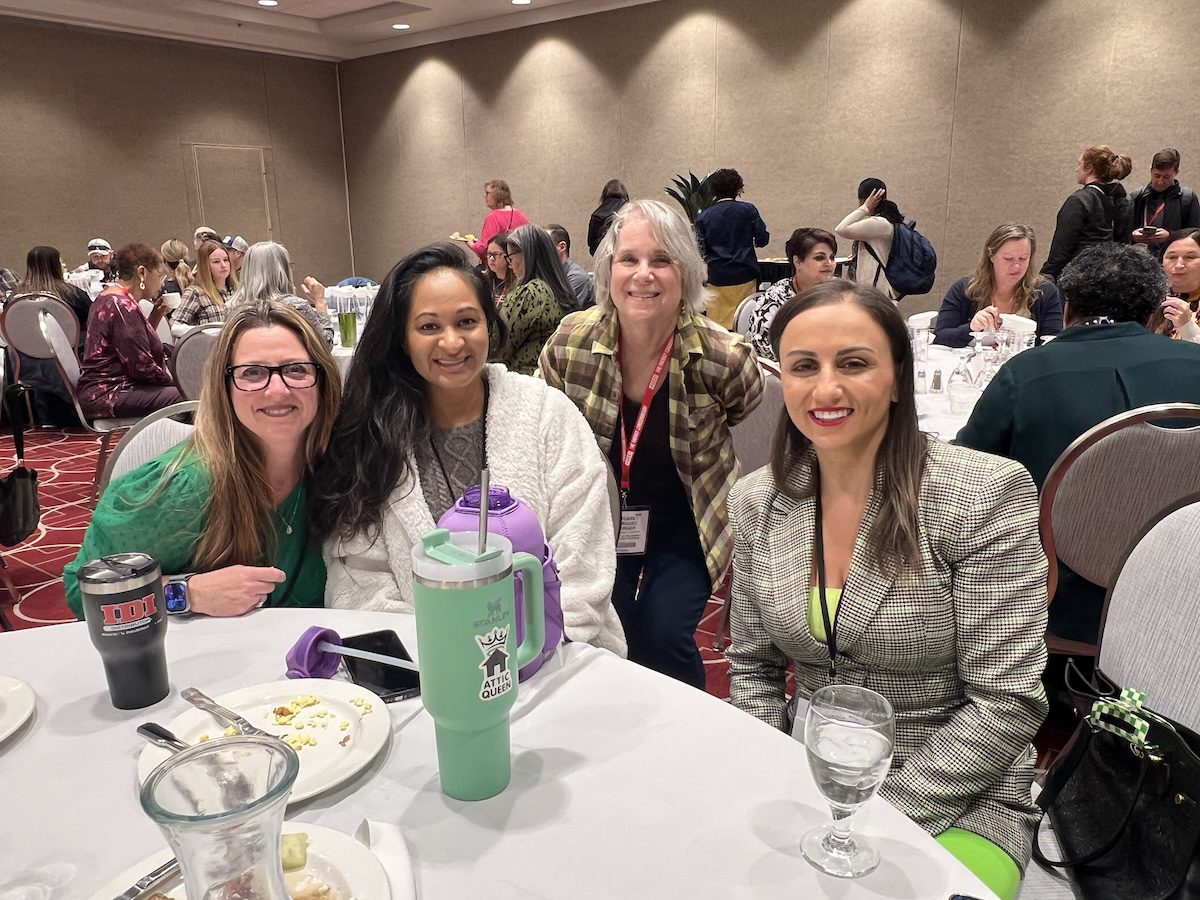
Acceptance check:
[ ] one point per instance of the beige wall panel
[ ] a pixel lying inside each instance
(773, 110)
(223, 95)
(309, 181)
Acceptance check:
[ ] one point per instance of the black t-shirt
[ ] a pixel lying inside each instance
(653, 478)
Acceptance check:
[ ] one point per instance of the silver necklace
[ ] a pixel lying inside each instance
(287, 523)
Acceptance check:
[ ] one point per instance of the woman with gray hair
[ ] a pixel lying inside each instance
(537, 304)
(660, 386)
(267, 275)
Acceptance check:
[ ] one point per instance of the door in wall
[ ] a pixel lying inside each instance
(232, 190)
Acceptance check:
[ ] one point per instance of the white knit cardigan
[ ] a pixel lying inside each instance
(540, 447)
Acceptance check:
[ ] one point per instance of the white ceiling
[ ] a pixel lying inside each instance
(319, 29)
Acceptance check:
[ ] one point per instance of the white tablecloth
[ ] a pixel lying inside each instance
(933, 409)
(625, 784)
(343, 356)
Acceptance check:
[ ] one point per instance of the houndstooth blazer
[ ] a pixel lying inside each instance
(956, 643)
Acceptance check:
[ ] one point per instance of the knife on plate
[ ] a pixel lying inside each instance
(200, 700)
(150, 880)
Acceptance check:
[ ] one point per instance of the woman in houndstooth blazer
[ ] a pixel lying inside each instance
(942, 600)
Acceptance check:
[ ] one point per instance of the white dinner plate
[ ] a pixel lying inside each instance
(350, 869)
(323, 765)
(16, 705)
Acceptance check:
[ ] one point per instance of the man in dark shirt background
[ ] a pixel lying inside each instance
(1163, 206)
(729, 230)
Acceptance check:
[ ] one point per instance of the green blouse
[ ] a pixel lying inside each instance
(532, 314)
(131, 516)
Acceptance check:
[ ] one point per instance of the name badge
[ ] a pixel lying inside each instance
(635, 529)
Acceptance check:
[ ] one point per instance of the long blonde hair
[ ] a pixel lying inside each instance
(175, 255)
(983, 283)
(204, 279)
(240, 529)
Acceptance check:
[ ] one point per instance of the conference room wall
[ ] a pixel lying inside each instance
(973, 112)
(96, 131)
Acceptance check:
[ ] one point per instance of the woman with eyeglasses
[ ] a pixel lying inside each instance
(424, 413)
(225, 512)
(538, 302)
(498, 274)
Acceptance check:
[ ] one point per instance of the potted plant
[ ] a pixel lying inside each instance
(693, 194)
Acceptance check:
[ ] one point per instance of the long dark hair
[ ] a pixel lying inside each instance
(886, 207)
(894, 536)
(44, 272)
(614, 190)
(385, 405)
(542, 262)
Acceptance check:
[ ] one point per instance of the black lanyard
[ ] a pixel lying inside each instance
(819, 551)
(482, 448)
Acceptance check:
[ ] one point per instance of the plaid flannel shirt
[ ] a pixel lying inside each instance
(8, 282)
(714, 383)
(197, 308)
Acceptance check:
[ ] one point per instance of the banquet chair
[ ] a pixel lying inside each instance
(752, 438)
(741, 315)
(19, 324)
(151, 436)
(61, 350)
(1107, 487)
(189, 357)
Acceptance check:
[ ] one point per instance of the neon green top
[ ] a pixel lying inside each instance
(816, 622)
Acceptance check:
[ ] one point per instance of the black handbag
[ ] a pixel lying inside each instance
(1124, 800)
(20, 511)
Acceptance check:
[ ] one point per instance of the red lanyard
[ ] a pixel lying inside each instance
(629, 445)
(1154, 215)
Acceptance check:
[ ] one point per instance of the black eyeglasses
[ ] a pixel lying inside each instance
(495, 254)
(256, 377)
(511, 253)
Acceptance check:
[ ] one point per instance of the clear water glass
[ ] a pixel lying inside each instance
(220, 805)
(849, 735)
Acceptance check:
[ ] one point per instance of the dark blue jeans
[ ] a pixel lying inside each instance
(661, 618)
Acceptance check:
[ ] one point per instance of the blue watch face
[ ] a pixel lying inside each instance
(176, 594)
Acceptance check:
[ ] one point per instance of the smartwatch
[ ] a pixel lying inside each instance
(176, 593)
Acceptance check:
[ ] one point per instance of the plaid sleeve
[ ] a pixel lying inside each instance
(742, 391)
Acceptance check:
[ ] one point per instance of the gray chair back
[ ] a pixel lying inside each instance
(22, 331)
(741, 315)
(150, 437)
(753, 435)
(1151, 629)
(190, 356)
(1111, 483)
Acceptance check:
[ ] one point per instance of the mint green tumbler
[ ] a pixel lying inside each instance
(466, 644)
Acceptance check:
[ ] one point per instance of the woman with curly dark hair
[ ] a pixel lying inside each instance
(729, 230)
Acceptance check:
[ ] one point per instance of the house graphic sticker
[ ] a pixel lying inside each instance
(497, 678)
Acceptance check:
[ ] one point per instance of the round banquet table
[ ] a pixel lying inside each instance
(625, 783)
(933, 409)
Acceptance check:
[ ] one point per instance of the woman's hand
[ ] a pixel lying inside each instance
(314, 293)
(987, 319)
(1179, 314)
(873, 200)
(233, 590)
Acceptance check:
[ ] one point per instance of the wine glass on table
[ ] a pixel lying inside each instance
(849, 734)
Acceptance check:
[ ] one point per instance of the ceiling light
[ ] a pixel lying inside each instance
(268, 3)
(521, 2)
(400, 26)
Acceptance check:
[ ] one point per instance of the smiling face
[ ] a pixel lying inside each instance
(1011, 262)
(278, 415)
(646, 287)
(218, 265)
(838, 378)
(446, 334)
(1181, 262)
(818, 266)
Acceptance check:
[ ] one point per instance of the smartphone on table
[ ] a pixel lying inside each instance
(389, 682)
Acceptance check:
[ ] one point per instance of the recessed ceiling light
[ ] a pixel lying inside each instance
(268, 3)
(400, 26)
(521, 2)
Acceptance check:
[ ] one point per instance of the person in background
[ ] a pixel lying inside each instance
(99, 258)
(496, 273)
(124, 369)
(869, 553)
(1163, 206)
(267, 277)
(179, 270)
(1178, 314)
(1004, 284)
(235, 245)
(204, 301)
(537, 304)
(202, 234)
(729, 230)
(612, 197)
(503, 216)
(9, 281)
(813, 253)
(577, 277)
(424, 412)
(226, 512)
(1099, 211)
(1105, 362)
(646, 354)
(871, 226)
(51, 399)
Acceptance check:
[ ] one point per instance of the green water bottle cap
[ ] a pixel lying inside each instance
(443, 556)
